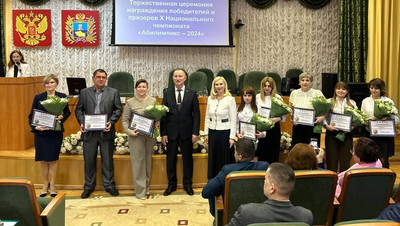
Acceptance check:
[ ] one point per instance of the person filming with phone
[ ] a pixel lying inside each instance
(306, 157)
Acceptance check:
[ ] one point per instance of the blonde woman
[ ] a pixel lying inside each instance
(48, 142)
(269, 142)
(302, 98)
(220, 126)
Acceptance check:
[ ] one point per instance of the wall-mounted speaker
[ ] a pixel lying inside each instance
(329, 81)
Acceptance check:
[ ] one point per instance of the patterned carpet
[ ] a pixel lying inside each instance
(176, 209)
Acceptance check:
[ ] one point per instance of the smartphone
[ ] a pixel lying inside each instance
(314, 144)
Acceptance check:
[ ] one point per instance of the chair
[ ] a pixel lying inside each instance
(315, 190)
(210, 78)
(18, 202)
(237, 187)
(253, 79)
(230, 78)
(123, 82)
(240, 83)
(278, 80)
(396, 193)
(365, 193)
(294, 72)
(366, 222)
(198, 81)
(171, 81)
(280, 224)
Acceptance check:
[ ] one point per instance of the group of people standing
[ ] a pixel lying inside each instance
(180, 128)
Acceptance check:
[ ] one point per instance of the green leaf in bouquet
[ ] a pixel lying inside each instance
(279, 108)
(383, 109)
(317, 128)
(321, 105)
(341, 136)
(156, 111)
(54, 105)
(263, 123)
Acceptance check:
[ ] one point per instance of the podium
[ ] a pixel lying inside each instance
(16, 96)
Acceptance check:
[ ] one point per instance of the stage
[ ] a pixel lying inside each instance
(70, 175)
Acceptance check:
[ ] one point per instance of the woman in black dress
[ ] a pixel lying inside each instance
(48, 142)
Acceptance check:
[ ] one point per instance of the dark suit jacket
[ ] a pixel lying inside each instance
(185, 122)
(215, 186)
(36, 105)
(110, 104)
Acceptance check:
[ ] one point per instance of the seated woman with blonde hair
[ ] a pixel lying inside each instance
(303, 157)
(366, 155)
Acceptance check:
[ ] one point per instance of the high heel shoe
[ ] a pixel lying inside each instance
(53, 194)
(42, 194)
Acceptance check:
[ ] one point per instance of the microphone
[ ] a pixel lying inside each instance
(19, 66)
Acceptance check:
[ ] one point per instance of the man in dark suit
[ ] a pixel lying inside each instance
(180, 127)
(99, 99)
(244, 156)
(278, 185)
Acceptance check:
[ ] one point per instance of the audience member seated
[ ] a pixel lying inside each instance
(366, 155)
(278, 185)
(303, 157)
(392, 213)
(244, 155)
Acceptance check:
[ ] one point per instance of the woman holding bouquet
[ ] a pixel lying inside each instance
(220, 127)
(338, 151)
(302, 98)
(247, 108)
(377, 88)
(48, 142)
(140, 146)
(269, 141)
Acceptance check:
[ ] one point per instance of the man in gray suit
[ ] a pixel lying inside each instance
(99, 99)
(278, 185)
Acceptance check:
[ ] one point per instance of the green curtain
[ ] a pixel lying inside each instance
(353, 37)
(2, 43)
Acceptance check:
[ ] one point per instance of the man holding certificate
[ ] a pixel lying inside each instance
(180, 127)
(99, 108)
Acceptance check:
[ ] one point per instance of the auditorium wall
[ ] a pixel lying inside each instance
(286, 35)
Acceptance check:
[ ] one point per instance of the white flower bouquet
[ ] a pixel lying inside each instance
(286, 142)
(156, 111)
(55, 105)
(279, 108)
(73, 144)
(359, 119)
(321, 106)
(263, 123)
(384, 108)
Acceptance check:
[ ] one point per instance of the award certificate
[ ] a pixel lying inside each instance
(341, 122)
(303, 116)
(264, 111)
(41, 118)
(142, 123)
(382, 128)
(94, 122)
(248, 130)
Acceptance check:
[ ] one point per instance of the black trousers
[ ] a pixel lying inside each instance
(90, 157)
(303, 134)
(186, 148)
(268, 148)
(219, 153)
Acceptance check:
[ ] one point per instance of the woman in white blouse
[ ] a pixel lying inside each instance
(269, 142)
(301, 98)
(220, 127)
(247, 108)
(17, 67)
(377, 88)
(337, 152)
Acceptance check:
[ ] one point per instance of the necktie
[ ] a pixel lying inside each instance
(179, 99)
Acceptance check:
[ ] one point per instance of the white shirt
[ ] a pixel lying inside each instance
(245, 115)
(221, 115)
(26, 71)
(367, 106)
(177, 93)
(339, 107)
(300, 99)
(267, 103)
